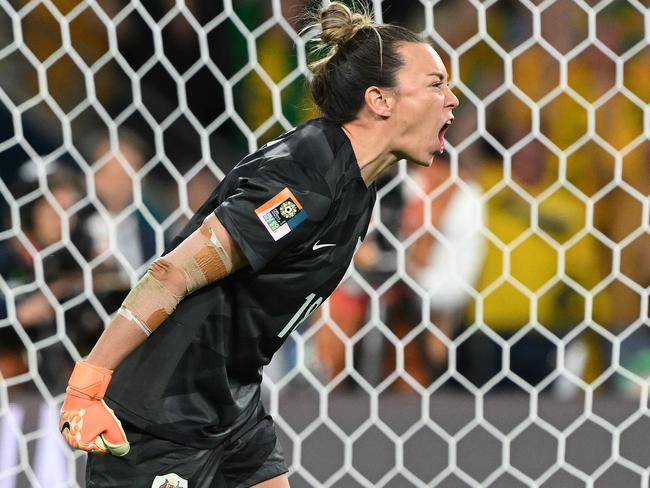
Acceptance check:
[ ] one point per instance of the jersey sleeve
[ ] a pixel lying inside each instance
(274, 210)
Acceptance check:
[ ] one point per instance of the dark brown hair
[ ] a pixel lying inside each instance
(359, 53)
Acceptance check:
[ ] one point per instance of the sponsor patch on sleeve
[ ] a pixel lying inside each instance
(281, 214)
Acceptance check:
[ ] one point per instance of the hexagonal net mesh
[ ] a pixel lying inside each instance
(493, 330)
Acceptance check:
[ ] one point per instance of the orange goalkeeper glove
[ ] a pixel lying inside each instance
(86, 421)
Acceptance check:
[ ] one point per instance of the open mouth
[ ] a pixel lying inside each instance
(441, 135)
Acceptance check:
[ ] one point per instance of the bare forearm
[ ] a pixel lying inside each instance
(118, 340)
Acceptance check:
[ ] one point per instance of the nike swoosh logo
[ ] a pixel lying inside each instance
(318, 246)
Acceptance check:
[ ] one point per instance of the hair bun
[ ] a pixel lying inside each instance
(339, 24)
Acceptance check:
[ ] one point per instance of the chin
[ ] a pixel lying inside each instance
(425, 158)
(426, 161)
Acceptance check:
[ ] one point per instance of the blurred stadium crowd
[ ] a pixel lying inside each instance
(453, 220)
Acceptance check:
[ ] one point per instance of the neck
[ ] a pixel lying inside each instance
(370, 146)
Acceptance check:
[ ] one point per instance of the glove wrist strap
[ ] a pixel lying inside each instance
(89, 380)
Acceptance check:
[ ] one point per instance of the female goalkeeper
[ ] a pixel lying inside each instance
(181, 363)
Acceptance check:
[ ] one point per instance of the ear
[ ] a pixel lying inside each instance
(379, 101)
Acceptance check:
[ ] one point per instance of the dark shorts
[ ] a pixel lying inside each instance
(255, 456)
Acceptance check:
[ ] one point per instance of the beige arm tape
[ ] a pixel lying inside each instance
(197, 261)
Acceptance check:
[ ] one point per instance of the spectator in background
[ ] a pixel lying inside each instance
(121, 233)
(626, 218)
(446, 259)
(533, 264)
(42, 225)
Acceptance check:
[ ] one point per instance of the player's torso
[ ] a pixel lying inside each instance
(270, 302)
(273, 302)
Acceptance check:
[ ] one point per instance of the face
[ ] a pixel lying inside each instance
(112, 182)
(46, 220)
(422, 104)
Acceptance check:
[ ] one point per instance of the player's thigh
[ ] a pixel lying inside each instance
(281, 481)
(255, 458)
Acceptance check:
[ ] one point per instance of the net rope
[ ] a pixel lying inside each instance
(593, 132)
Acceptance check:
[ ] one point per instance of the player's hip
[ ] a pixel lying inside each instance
(253, 456)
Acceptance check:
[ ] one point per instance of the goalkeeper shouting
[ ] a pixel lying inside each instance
(181, 363)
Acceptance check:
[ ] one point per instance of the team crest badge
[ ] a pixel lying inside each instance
(171, 480)
(281, 214)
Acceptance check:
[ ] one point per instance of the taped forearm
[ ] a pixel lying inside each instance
(197, 261)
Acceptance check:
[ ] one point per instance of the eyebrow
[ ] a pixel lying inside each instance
(439, 75)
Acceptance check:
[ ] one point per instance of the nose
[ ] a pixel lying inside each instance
(451, 100)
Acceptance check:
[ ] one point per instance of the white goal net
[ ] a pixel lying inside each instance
(493, 331)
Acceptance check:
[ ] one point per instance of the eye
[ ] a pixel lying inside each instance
(437, 84)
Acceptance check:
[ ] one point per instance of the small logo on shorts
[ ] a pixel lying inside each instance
(171, 480)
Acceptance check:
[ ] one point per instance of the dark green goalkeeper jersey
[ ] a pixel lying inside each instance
(298, 208)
